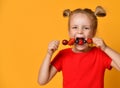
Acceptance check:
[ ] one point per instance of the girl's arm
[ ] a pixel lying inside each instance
(47, 71)
(115, 56)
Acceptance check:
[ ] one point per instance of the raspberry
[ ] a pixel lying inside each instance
(81, 42)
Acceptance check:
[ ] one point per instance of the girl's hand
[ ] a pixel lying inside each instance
(53, 46)
(99, 43)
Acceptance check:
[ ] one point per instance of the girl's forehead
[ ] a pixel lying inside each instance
(80, 15)
(80, 18)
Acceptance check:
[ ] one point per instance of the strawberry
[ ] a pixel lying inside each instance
(89, 41)
(71, 41)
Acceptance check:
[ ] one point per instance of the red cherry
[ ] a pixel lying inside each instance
(64, 42)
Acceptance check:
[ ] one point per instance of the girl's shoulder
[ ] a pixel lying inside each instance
(66, 50)
(97, 50)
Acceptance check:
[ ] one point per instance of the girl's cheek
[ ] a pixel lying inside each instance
(90, 35)
(71, 34)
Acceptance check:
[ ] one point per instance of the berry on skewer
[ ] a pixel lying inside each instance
(71, 41)
(64, 42)
(79, 41)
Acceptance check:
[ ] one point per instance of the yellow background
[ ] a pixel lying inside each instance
(26, 28)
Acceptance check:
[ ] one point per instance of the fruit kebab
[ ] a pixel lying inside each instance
(79, 41)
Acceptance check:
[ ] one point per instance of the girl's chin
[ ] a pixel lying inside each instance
(80, 47)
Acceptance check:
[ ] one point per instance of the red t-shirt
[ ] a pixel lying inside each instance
(82, 70)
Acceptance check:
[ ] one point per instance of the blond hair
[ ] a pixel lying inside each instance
(99, 12)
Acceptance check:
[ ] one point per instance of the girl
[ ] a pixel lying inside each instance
(82, 66)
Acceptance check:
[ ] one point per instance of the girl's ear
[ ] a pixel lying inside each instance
(66, 13)
(100, 12)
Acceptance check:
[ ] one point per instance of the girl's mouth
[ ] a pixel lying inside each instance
(80, 41)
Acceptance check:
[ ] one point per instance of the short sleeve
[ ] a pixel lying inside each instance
(57, 61)
(107, 61)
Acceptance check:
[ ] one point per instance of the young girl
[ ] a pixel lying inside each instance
(82, 66)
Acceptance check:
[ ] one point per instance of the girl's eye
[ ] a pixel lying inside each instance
(86, 28)
(74, 27)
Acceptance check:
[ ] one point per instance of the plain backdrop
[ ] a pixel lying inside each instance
(26, 28)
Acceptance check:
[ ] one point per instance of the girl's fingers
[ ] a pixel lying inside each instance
(53, 46)
(99, 43)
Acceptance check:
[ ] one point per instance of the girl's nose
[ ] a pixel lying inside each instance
(80, 30)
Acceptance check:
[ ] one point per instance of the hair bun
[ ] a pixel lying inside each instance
(66, 13)
(100, 12)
